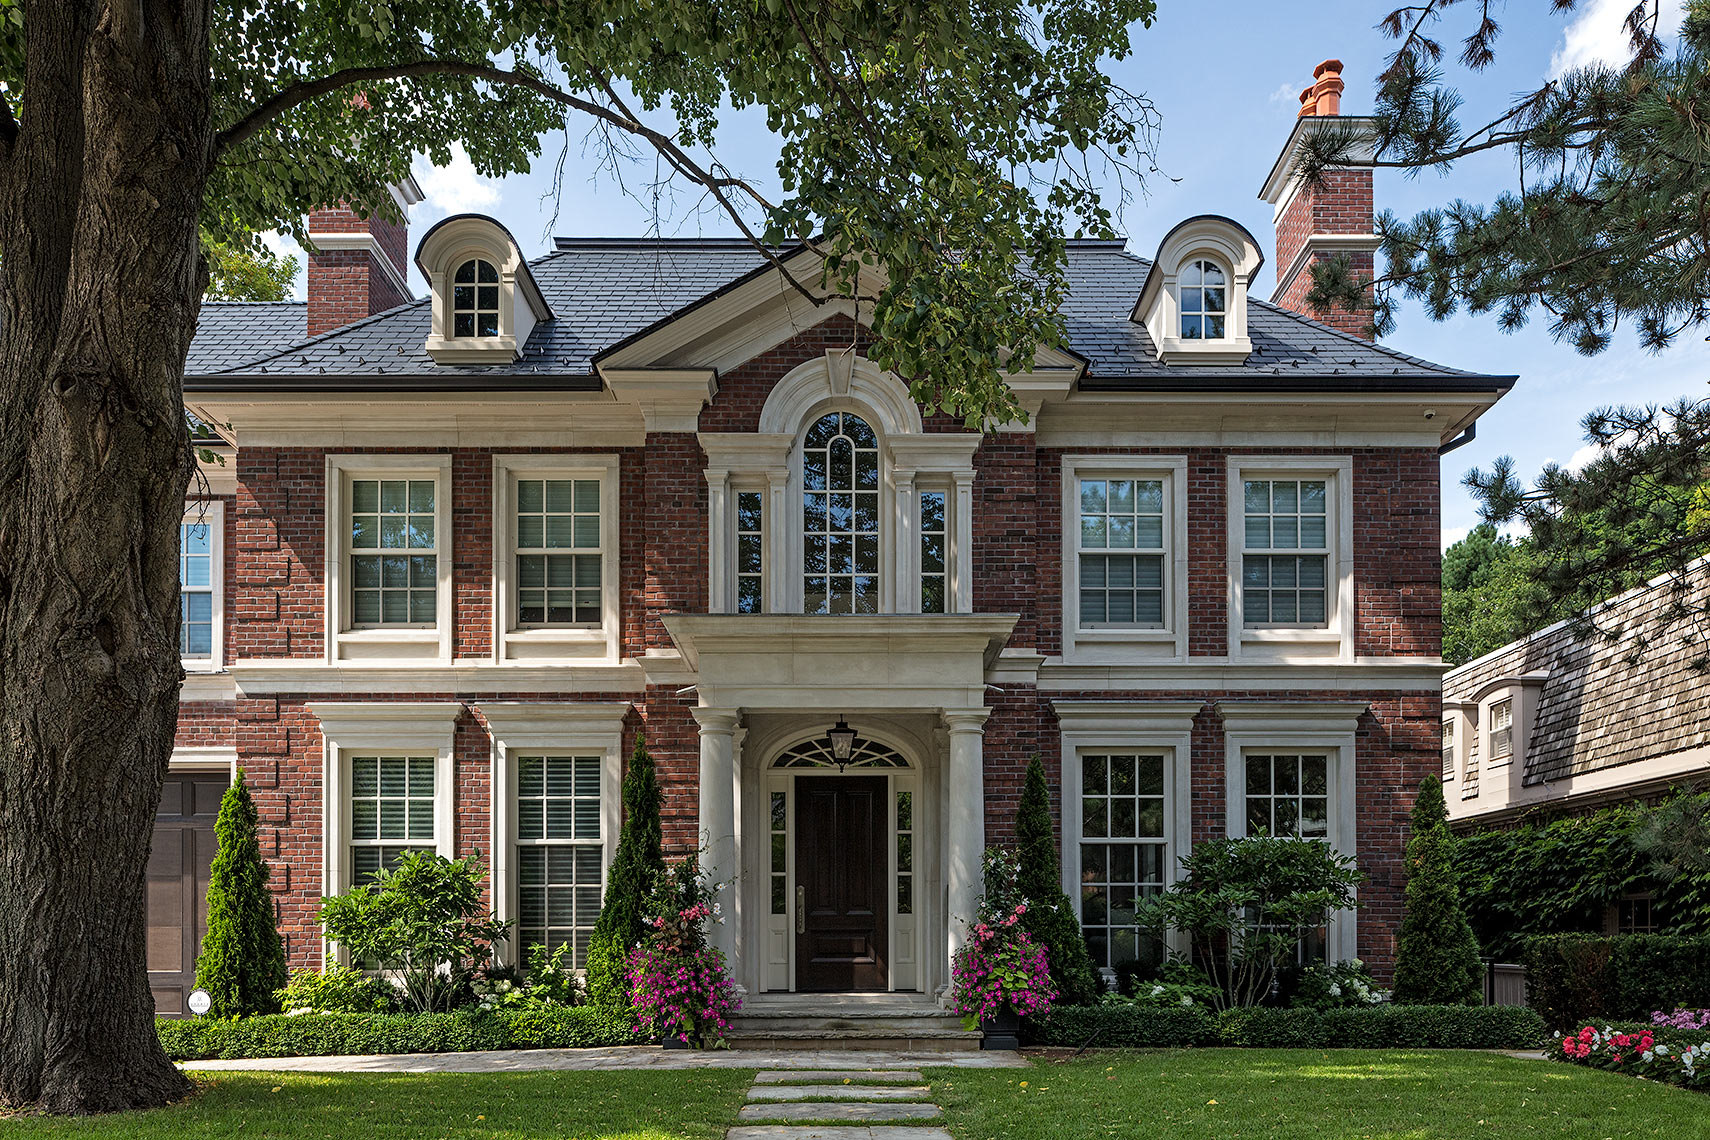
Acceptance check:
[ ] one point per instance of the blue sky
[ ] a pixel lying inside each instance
(1225, 77)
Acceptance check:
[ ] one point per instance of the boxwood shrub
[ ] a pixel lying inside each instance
(1376, 1027)
(350, 1034)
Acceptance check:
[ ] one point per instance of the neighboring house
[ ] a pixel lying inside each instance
(465, 549)
(1568, 720)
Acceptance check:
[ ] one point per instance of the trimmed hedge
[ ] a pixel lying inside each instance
(1376, 1027)
(1575, 978)
(352, 1034)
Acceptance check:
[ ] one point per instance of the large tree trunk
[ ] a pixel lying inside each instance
(100, 192)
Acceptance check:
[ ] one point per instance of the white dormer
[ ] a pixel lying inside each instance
(1194, 301)
(485, 300)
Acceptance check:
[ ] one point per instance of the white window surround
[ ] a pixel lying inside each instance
(1115, 644)
(449, 245)
(593, 728)
(545, 645)
(1208, 237)
(387, 728)
(910, 459)
(1335, 640)
(1524, 690)
(1319, 727)
(212, 513)
(1147, 727)
(385, 645)
(1464, 716)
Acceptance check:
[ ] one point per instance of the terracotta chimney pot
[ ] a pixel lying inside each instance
(1328, 86)
(1308, 104)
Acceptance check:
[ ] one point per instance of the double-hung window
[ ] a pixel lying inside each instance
(1122, 552)
(1123, 852)
(560, 853)
(389, 557)
(555, 557)
(1288, 795)
(392, 810)
(1448, 750)
(1502, 731)
(200, 535)
(1285, 560)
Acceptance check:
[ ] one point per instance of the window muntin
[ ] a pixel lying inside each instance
(195, 590)
(1286, 552)
(1121, 552)
(750, 552)
(780, 853)
(391, 811)
(1502, 730)
(840, 516)
(559, 552)
(475, 299)
(905, 852)
(1448, 750)
(1204, 300)
(1123, 852)
(394, 553)
(560, 851)
(1288, 795)
(934, 548)
(1636, 914)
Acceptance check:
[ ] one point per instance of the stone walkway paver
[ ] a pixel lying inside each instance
(837, 1092)
(839, 1110)
(822, 1104)
(828, 1076)
(835, 1132)
(827, 1062)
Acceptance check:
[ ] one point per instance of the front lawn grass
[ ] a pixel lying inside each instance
(642, 1105)
(1310, 1094)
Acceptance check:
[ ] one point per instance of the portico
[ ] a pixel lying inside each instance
(860, 870)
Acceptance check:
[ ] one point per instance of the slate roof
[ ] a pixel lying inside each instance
(1598, 709)
(603, 291)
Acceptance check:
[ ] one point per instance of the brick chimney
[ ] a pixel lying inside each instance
(1331, 221)
(360, 266)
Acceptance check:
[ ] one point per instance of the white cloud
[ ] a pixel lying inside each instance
(455, 188)
(1578, 460)
(1453, 534)
(1598, 35)
(1287, 93)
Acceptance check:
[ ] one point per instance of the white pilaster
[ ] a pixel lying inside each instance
(965, 818)
(718, 815)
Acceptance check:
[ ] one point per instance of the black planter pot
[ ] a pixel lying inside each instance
(1002, 1030)
(672, 1041)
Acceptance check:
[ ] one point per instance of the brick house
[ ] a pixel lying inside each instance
(464, 549)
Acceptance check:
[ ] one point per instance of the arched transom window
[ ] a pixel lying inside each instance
(1205, 304)
(475, 299)
(840, 516)
(816, 753)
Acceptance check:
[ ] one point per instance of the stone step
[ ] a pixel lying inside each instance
(946, 1041)
(836, 1132)
(837, 1092)
(839, 1111)
(833, 1076)
(754, 1019)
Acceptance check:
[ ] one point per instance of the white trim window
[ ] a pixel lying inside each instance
(201, 593)
(393, 809)
(841, 516)
(560, 857)
(1288, 794)
(1291, 555)
(555, 558)
(1124, 851)
(475, 299)
(389, 558)
(750, 551)
(1448, 750)
(934, 552)
(1502, 731)
(1124, 557)
(1204, 293)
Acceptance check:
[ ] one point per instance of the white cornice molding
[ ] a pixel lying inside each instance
(585, 419)
(534, 724)
(935, 453)
(745, 452)
(365, 242)
(1340, 717)
(203, 688)
(1280, 184)
(670, 399)
(345, 720)
(1219, 674)
(1093, 716)
(270, 677)
(1324, 243)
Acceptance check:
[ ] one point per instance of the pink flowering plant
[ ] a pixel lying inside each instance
(679, 984)
(1638, 1053)
(1000, 965)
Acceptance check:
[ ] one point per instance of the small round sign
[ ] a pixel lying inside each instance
(199, 1001)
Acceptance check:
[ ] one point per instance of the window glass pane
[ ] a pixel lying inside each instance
(841, 552)
(558, 515)
(1126, 515)
(1122, 858)
(559, 850)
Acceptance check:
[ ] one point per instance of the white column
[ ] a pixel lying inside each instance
(719, 539)
(965, 818)
(962, 547)
(718, 817)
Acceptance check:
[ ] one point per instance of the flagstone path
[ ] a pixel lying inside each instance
(839, 1103)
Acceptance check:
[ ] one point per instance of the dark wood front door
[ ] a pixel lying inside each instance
(178, 867)
(842, 931)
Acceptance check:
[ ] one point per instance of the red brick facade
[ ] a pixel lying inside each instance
(346, 285)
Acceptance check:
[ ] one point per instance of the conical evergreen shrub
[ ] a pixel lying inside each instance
(640, 859)
(1050, 916)
(242, 962)
(1437, 957)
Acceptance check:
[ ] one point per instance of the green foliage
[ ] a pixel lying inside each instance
(1561, 877)
(1571, 978)
(1244, 904)
(249, 272)
(1436, 955)
(1050, 916)
(337, 989)
(354, 1034)
(639, 860)
(1320, 985)
(420, 922)
(242, 962)
(1490, 595)
(1370, 1027)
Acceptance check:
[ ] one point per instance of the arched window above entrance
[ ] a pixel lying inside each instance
(841, 528)
(816, 753)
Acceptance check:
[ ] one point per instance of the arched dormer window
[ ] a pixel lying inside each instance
(475, 299)
(841, 529)
(1204, 300)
